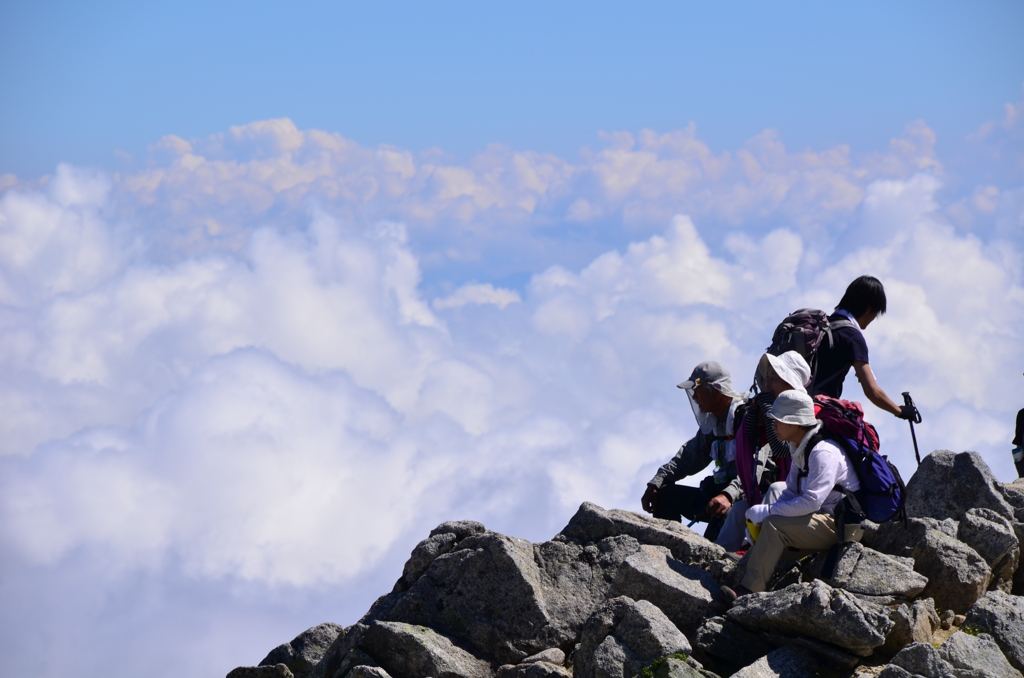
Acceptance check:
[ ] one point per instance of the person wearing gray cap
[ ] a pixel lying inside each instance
(718, 410)
(803, 514)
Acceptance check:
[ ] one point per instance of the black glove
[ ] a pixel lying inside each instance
(909, 412)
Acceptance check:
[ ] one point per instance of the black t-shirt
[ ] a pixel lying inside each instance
(848, 346)
(1018, 439)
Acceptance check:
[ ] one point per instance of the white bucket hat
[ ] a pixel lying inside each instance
(793, 407)
(791, 368)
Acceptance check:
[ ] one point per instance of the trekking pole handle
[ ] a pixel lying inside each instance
(909, 402)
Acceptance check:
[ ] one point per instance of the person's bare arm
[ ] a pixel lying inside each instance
(873, 391)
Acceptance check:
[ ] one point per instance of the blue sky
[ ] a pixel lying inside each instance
(83, 80)
(282, 288)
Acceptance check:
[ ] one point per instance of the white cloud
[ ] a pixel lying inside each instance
(270, 399)
(477, 294)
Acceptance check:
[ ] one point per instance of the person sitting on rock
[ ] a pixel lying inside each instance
(718, 409)
(761, 458)
(802, 515)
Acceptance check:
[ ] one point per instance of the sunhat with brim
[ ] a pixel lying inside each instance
(791, 368)
(793, 407)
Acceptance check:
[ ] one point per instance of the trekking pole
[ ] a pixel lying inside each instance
(916, 419)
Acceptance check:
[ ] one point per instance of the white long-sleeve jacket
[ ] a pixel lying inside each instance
(828, 467)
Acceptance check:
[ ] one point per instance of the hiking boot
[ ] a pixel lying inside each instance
(731, 594)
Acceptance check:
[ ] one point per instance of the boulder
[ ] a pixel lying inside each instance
(683, 592)
(533, 670)
(1001, 616)
(623, 636)
(576, 578)
(921, 659)
(485, 592)
(674, 667)
(276, 671)
(957, 575)
(947, 485)
(410, 651)
(592, 523)
(992, 536)
(441, 540)
(816, 610)
(964, 651)
(913, 623)
(304, 651)
(552, 656)
(364, 671)
(832, 656)
(730, 645)
(785, 662)
(865, 571)
(1013, 493)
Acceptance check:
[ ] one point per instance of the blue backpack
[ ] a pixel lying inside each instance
(882, 494)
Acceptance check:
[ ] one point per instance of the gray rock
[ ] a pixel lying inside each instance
(487, 593)
(683, 592)
(891, 671)
(575, 579)
(422, 556)
(914, 623)
(623, 636)
(947, 485)
(552, 656)
(730, 644)
(964, 651)
(673, 667)
(785, 662)
(306, 650)
(410, 651)
(922, 659)
(1001, 616)
(276, 671)
(592, 523)
(957, 575)
(817, 610)
(1013, 493)
(441, 540)
(343, 654)
(460, 528)
(992, 536)
(534, 670)
(364, 671)
(862, 570)
(828, 654)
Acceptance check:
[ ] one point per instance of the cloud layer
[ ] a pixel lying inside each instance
(226, 369)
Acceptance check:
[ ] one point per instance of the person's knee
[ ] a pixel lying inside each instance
(775, 490)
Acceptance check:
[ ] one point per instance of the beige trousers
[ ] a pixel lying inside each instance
(810, 533)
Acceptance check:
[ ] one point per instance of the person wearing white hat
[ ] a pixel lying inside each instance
(803, 515)
(761, 458)
(718, 410)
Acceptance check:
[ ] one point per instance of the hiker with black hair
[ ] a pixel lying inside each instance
(802, 516)
(863, 301)
(718, 410)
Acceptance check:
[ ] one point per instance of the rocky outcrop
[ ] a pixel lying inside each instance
(1000, 616)
(304, 651)
(623, 636)
(957, 575)
(818, 611)
(618, 594)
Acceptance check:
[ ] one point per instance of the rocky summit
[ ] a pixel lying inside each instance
(619, 594)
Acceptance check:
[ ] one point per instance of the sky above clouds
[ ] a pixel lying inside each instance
(280, 290)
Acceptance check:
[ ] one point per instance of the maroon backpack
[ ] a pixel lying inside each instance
(803, 331)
